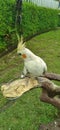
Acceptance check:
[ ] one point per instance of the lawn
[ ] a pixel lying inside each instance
(27, 112)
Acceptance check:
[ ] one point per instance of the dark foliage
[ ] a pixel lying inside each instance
(34, 20)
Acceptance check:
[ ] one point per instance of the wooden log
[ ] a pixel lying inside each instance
(51, 100)
(48, 85)
(49, 90)
(52, 76)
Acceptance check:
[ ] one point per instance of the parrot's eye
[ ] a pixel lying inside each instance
(20, 54)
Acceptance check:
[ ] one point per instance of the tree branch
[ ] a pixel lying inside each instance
(49, 90)
(52, 76)
(46, 98)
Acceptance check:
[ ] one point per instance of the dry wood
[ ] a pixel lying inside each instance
(49, 90)
(52, 76)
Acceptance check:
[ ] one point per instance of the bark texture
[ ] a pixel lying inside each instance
(50, 91)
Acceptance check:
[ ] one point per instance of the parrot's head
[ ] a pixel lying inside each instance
(21, 50)
(24, 52)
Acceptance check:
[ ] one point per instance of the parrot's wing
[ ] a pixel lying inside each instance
(34, 67)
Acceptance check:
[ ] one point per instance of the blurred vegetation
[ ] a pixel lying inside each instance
(35, 20)
(58, 18)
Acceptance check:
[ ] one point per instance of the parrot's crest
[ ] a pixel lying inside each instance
(21, 45)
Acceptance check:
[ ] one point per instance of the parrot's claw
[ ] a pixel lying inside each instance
(22, 76)
(27, 81)
(27, 78)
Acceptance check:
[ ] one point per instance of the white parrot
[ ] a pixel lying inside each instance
(33, 64)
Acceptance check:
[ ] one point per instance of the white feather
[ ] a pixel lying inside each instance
(32, 63)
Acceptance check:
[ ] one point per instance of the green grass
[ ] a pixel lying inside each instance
(28, 111)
